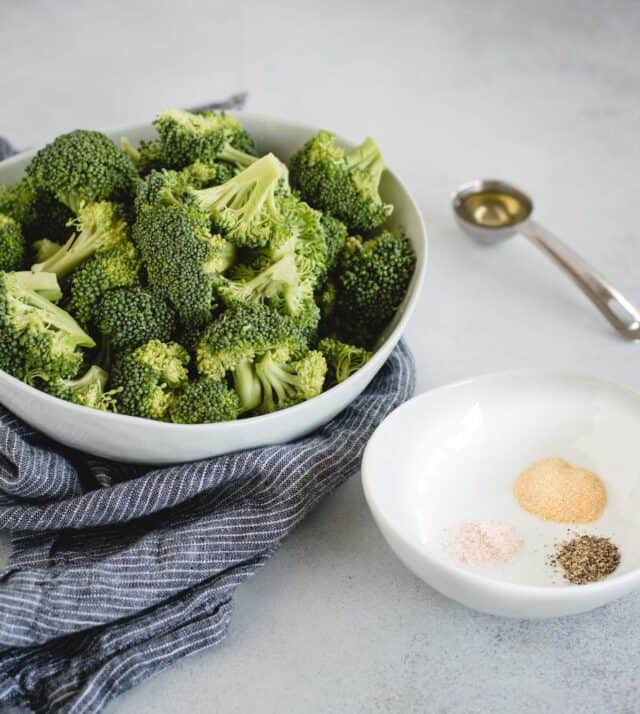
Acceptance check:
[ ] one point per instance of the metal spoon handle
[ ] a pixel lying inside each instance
(612, 304)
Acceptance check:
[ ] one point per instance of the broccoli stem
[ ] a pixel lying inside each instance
(275, 377)
(76, 250)
(246, 192)
(247, 386)
(237, 157)
(46, 284)
(93, 375)
(23, 292)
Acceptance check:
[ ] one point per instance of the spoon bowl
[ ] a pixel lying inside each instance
(489, 210)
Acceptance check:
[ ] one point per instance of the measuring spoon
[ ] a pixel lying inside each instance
(491, 211)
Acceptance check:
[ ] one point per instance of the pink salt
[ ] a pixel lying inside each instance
(484, 543)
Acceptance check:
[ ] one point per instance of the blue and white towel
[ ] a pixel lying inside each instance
(117, 570)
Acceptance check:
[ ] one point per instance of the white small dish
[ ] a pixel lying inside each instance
(126, 438)
(452, 454)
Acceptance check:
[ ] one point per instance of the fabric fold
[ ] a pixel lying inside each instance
(120, 570)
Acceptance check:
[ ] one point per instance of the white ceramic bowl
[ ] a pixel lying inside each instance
(452, 455)
(126, 438)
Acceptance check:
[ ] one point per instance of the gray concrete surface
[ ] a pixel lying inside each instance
(546, 94)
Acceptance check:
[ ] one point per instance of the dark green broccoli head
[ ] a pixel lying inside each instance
(335, 236)
(372, 276)
(149, 379)
(180, 256)
(13, 246)
(128, 317)
(98, 227)
(40, 341)
(344, 184)
(82, 167)
(184, 137)
(118, 267)
(205, 401)
(342, 359)
(89, 390)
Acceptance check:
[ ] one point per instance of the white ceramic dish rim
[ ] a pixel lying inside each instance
(408, 306)
(544, 591)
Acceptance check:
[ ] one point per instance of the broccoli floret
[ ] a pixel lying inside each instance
(240, 337)
(248, 209)
(145, 157)
(128, 317)
(344, 184)
(335, 236)
(342, 359)
(181, 257)
(40, 341)
(83, 167)
(205, 401)
(207, 136)
(89, 390)
(285, 383)
(13, 246)
(326, 298)
(38, 212)
(149, 378)
(99, 226)
(106, 269)
(373, 277)
(286, 270)
(172, 187)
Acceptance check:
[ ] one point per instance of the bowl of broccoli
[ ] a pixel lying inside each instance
(199, 285)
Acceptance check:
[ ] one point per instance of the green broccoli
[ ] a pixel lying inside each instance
(208, 136)
(163, 186)
(106, 269)
(38, 212)
(205, 401)
(285, 271)
(149, 378)
(344, 184)
(265, 353)
(372, 276)
(145, 157)
(99, 226)
(285, 383)
(44, 249)
(13, 246)
(181, 256)
(83, 167)
(89, 390)
(129, 316)
(335, 236)
(40, 341)
(342, 359)
(248, 208)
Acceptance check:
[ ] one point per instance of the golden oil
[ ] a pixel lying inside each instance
(493, 209)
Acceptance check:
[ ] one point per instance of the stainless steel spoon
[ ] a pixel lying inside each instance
(491, 211)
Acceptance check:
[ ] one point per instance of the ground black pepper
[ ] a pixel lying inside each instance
(586, 558)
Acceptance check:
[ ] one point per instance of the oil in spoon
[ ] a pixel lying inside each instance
(493, 209)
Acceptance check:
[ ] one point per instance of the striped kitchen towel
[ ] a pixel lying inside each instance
(119, 570)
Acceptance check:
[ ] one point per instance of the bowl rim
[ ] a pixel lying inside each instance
(470, 578)
(375, 363)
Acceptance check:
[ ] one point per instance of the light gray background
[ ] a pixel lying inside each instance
(546, 94)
